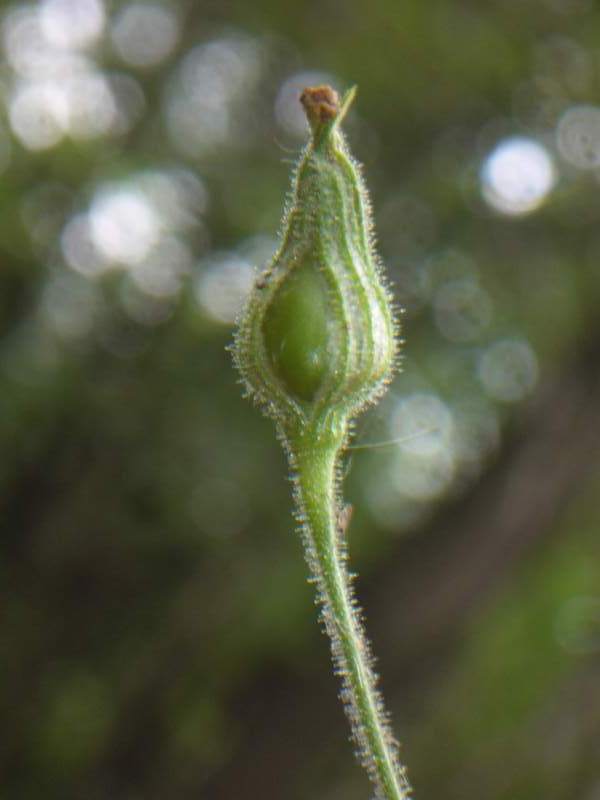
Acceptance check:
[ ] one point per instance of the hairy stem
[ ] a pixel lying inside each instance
(317, 343)
(315, 464)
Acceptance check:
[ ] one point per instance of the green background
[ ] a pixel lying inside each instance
(158, 638)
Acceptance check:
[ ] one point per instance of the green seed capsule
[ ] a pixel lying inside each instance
(315, 343)
(317, 336)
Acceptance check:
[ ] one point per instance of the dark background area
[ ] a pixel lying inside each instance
(158, 638)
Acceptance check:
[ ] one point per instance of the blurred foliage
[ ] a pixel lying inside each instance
(158, 637)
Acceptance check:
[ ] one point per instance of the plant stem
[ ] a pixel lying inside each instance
(316, 343)
(315, 464)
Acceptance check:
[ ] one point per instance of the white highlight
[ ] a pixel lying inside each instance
(144, 34)
(162, 272)
(223, 287)
(517, 176)
(90, 106)
(38, 114)
(425, 460)
(56, 89)
(72, 23)
(136, 225)
(423, 424)
(205, 101)
(79, 249)
(178, 196)
(124, 225)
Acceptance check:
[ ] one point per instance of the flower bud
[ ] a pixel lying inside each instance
(317, 334)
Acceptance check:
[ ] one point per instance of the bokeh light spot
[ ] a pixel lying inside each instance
(124, 225)
(422, 423)
(129, 100)
(72, 23)
(517, 176)
(144, 34)
(212, 86)
(161, 273)
(223, 285)
(477, 430)
(38, 115)
(462, 310)
(421, 477)
(79, 249)
(91, 106)
(508, 370)
(69, 305)
(178, 195)
(144, 308)
(578, 136)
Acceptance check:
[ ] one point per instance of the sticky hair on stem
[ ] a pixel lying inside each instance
(315, 344)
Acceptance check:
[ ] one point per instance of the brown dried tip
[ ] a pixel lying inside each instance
(321, 103)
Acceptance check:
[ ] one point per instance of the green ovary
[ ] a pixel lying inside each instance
(297, 332)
